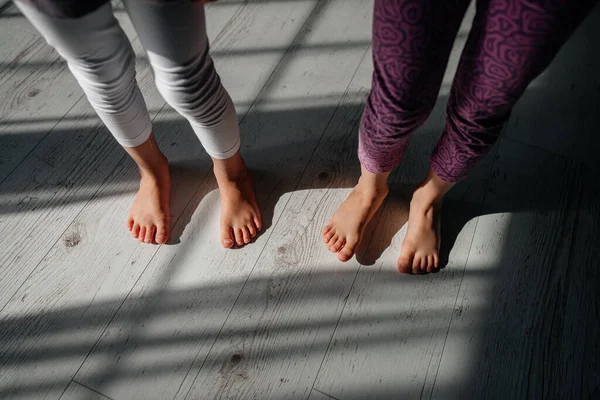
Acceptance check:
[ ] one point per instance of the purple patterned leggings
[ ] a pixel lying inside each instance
(510, 43)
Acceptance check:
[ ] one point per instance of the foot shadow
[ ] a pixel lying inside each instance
(455, 215)
(185, 174)
(384, 226)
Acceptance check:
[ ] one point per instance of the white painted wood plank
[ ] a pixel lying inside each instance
(75, 391)
(41, 197)
(61, 274)
(199, 279)
(65, 171)
(510, 314)
(260, 364)
(275, 337)
(106, 275)
(316, 395)
(18, 41)
(34, 98)
(37, 90)
(389, 339)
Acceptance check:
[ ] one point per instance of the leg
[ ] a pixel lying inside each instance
(511, 42)
(174, 36)
(102, 60)
(411, 45)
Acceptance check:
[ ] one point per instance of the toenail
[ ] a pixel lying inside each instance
(227, 242)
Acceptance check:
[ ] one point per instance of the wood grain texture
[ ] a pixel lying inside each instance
(97, 224)
(576, 370)
(19, 41)
(35, 96)
(316, 395)
(216, 265)
(75, 391)
(389, 340)
(509, 322)
(66, 170)
(514, 314)
(60, 272)
(282, 322)
(53, 184)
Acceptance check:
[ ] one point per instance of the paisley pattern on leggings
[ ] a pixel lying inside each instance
(510, 43)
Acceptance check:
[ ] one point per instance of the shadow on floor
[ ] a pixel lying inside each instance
(527, 319)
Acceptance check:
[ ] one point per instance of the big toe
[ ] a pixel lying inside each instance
(162, 233)
(226, 236)
(405, 261)
(347, 252)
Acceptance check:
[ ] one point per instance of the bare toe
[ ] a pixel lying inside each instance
(405, 261)
(351, 218)
(246, 235)
(345, 254)
(135, 231)
(419, 249)
(162, 232)
(257, 223)
(227, 238)
(142, 234)
(252, 229)
(239, 237)
(151, 205)
(338, 245)
(239, 211)
(149, 236)
(423, 264)
(332, 243)
(430, 266)
(327, 236)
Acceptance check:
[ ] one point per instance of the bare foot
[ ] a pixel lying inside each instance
(240, 215)
(149, 216)
(345, 229)
(420, 249)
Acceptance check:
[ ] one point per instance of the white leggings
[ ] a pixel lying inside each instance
(174, 35)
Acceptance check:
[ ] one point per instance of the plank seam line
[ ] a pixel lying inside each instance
(367, 247)
(118, 165)
(49, 130)
(63, 232)
(90, 389)
(465, 267)
(274, 225)
(325, 394)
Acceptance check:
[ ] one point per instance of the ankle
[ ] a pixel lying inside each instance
(431, 191)
(372, 189)
(425, 198)
(231, 170)
(372, 185)
(156, 170)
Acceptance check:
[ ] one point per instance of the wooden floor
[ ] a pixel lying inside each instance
(88, 313)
